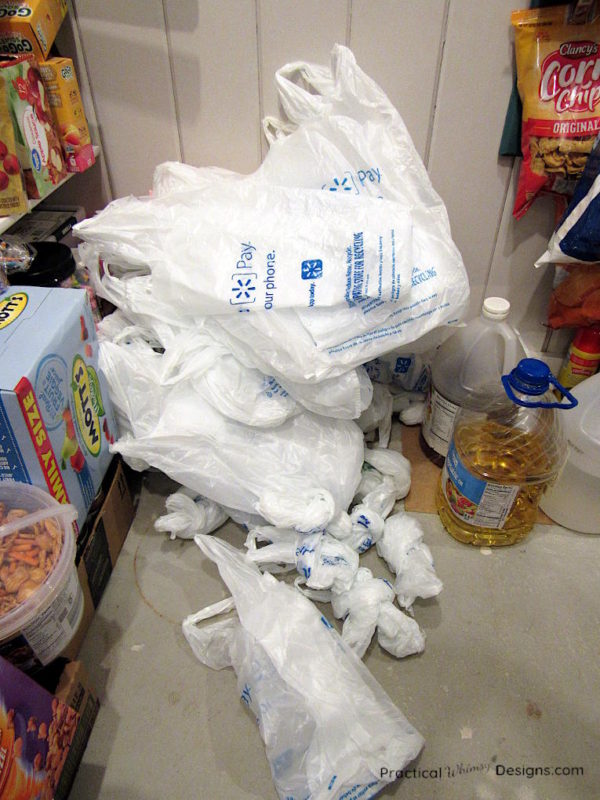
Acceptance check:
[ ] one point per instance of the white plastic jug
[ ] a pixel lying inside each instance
(574, 500)
(474, 356)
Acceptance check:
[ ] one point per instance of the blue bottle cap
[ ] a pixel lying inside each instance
(533, 377)
(530, 376)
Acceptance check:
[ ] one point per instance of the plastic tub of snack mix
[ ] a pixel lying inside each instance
(41, 602)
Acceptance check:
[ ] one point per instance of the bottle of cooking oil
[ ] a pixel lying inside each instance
(502, 458)
(474, 355)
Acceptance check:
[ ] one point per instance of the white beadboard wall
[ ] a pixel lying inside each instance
(191, 80)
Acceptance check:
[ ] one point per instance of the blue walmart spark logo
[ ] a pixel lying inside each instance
(312, 269)
(243, 288)
(345, 185)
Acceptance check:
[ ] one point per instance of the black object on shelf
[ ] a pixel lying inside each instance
(53, 264)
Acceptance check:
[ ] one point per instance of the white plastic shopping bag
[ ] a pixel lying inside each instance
(228, 246)
(330, 730)
(174, 429)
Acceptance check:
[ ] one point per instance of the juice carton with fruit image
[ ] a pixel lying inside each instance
(13, 197)
(38, 146)
(56, 420)
(30, 26)
(65, 103)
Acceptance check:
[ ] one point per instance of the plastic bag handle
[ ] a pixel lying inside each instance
(299, 103)
(222, 607)
(275, 128)
(537, 404)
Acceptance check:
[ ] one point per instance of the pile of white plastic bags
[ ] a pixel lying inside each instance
(247, 309)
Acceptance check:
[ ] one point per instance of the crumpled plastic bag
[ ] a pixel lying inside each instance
(344, 394)
(367, 528)
(378, 415)
(378, 491)
(368, 605)
(330, 730)
(175, 430)
(404, 370)
(392, 463)
(406, 554)
(189, 515)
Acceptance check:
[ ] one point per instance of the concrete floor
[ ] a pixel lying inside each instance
(510, 676)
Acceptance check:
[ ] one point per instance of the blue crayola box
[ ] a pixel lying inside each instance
(56, 420)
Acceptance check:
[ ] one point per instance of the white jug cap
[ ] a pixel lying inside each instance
(496, 308)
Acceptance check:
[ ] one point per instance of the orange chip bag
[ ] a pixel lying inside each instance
(558, 77)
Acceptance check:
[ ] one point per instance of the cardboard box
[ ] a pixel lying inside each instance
(99, 544)
(69, 117)
(42, 735)
(56, 419)
(38, 147)
(30, 26)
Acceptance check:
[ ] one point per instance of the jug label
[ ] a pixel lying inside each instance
(485, 504)
(438, 421)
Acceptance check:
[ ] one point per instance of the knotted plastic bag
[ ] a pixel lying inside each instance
(322, 561)
(368, 605)
(188, 514)
(406, 554)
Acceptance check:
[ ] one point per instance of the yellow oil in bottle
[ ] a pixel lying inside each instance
(496, 453)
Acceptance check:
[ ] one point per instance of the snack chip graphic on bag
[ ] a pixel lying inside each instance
(558, 77)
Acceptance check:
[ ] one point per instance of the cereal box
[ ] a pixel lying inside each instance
(13, 197)
(38, 146)
(65, 103)
(558, 77)
(30, 26)
(56, 420)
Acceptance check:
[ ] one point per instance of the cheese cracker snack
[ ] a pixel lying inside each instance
(558, 77)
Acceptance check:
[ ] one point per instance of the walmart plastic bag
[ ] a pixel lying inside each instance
(239, 392)
(346, 135)
(225, 246)
(325, 739)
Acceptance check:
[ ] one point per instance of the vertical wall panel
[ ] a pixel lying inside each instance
(475, 84)
(125, 48)
(293, 31)
(215, 71)
(91, 189)
(397, 43)
(513, 275)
